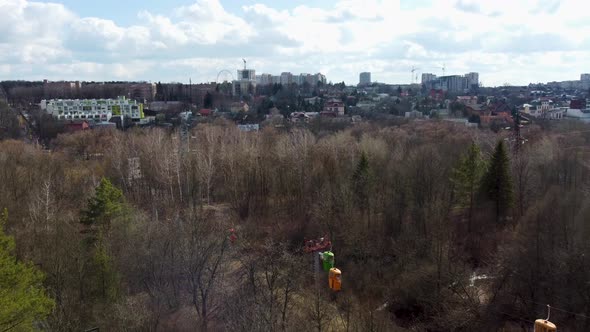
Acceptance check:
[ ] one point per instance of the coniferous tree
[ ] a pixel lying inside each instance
(208, 100)
(362, 181)
(467, 180)
(106, 204)
(497, 182)
(104, 207)
(23, 301)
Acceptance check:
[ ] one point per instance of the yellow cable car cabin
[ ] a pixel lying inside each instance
(335, 279)
(542, 325)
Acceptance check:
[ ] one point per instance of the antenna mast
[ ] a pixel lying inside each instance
(244, 63)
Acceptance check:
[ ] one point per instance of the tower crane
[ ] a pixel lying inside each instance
(414, 69)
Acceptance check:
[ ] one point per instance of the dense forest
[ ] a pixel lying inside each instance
(435, 227)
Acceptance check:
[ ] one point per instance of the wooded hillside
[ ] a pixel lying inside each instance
(435, 227)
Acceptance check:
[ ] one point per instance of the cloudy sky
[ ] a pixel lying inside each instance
(506, 41)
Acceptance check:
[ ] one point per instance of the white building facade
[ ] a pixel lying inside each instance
(93, 109)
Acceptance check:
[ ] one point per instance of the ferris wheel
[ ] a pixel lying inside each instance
(224, 76)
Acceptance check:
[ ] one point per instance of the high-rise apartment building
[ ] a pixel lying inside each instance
(472, 79)
(286, 78)
(246, 82)
(365, 78)
(428, 77)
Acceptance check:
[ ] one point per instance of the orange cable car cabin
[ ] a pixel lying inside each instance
(542, 325)
(335, 279)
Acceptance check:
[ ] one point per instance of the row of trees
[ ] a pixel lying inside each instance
(130, 229)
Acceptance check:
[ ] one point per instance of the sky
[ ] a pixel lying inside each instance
(506, 41)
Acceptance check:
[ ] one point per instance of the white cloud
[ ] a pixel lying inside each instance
(505, 40)
(31, 32)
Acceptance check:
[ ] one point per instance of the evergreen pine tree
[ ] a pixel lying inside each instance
(106, 204)
(362, 182)
(497, 183)
(467, 180)
(23, 301)
(104, 207)
(208, 100)
(102, 274)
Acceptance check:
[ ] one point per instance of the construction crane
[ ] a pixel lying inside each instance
(414, 69)
(244, 63)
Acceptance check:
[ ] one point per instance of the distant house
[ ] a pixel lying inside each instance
(186, 115)
(414, 115)
(578, 104)
(313, 100)
(467, 100)
(239, 107)
(329, 114)
(205, 112)
(77, 126)
(334, 106)
(366, 105)
(437, 94)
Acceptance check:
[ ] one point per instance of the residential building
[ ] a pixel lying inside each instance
(334, 106)
(585, 77)
(365, 78)
(205, 112)
(557, 113)
(313, 100)
(428, 77)
(95, 109)
(453, 83)
(578, 104)
(141, 91)
(247, 74)
(264, 79)
(437, 95)
(286, 78)
(472, 79)
(414, 114)
(77, 126)
(467, 100)
(245, 84)
(318, 78)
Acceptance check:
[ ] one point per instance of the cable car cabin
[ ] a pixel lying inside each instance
(335, 279)
(328, 260)
(542, 325)
(317, 245)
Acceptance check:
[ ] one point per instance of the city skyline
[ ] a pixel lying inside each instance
(506, 42)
